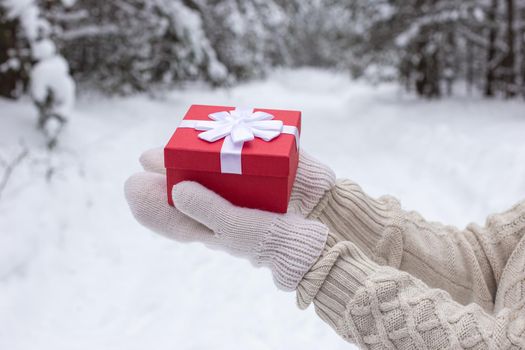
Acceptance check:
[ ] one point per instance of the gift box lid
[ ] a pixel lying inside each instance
(185, 150)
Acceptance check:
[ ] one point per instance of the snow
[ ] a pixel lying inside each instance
(42, 49)
(68, 3)
(77, 272)
(442, 17)
(27, 12)
(89, 31)
(51, 75)
(11, 63)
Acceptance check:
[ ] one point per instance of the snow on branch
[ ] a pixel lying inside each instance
(444, 16)
(89, 31)
(69, 16)
(479, 39)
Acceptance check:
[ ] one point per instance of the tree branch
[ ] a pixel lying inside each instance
(10, 167)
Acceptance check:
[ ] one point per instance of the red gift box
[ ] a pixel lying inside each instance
(256, 172)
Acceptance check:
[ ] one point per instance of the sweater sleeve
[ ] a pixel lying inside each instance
(378, 307)
(466, 263)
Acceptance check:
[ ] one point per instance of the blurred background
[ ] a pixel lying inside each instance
(421, 99)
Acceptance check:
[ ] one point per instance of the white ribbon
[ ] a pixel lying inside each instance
(237, 127)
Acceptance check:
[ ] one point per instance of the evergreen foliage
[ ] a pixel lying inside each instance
(135, 45)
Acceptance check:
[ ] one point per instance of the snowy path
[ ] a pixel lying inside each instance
(76, 272)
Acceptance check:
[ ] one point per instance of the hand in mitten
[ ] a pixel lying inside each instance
(288, 244)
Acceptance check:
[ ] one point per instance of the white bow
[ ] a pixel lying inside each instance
(241, 124)
(236, 127)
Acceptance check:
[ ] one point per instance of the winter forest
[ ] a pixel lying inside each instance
(420, 99)
(121, 47)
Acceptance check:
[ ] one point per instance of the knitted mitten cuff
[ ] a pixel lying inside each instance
(312, 182)
(290, 248)
(286, 244)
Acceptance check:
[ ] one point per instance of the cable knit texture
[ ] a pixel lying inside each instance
(466, 263)
(388, 279)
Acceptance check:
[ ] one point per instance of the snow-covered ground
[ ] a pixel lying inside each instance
(77, 272)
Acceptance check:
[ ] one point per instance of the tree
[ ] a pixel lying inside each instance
(491, 50)
(509, 71)
(14, 59)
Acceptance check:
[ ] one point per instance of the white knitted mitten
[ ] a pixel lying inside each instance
(288, 244)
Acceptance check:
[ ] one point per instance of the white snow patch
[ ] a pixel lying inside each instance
(43, 49)
(51, 75)
(68, 3)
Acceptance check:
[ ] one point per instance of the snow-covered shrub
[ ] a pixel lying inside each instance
(51, 86)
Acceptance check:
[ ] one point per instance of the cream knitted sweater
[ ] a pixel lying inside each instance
(388, 279)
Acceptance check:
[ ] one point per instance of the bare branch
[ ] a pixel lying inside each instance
(10, 167)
